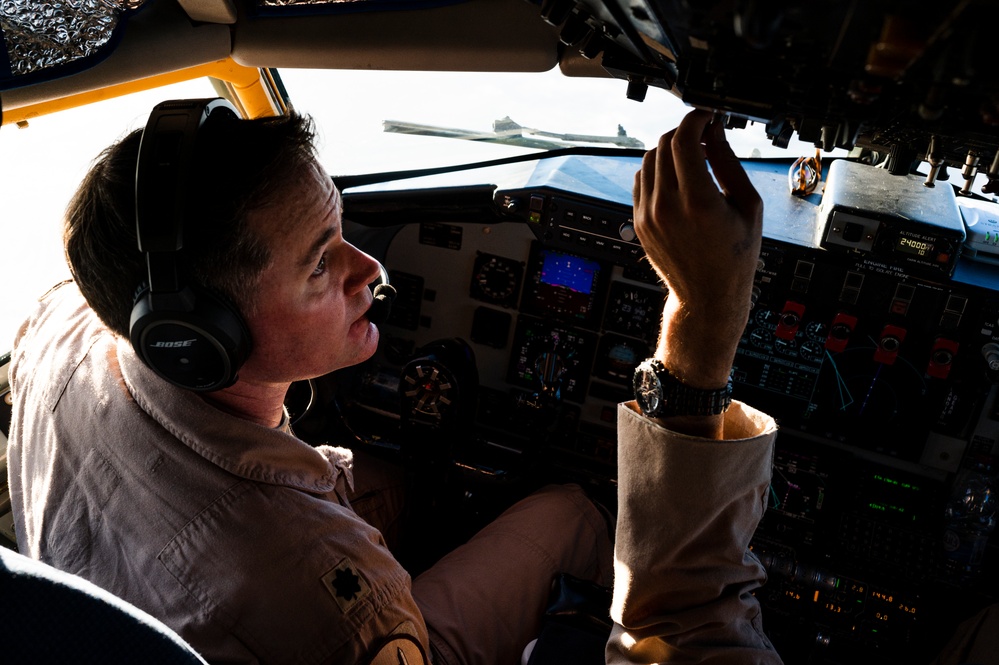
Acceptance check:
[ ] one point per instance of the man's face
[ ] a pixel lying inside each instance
(312, 297)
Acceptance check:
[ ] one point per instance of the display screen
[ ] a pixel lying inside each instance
(892, 496)
(572, 272)
(563, 285)
(914, 246)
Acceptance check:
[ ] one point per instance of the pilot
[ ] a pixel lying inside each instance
(202, 507)
(205, 510)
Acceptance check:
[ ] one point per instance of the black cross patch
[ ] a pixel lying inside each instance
(345, 584)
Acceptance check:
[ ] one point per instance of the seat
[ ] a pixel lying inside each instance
(48, 616)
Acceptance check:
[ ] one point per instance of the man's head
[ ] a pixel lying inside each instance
(239, 166)
(265, 231)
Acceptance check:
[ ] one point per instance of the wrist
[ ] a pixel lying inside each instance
(699, 346)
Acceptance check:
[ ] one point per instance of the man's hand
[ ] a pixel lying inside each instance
(703, 242)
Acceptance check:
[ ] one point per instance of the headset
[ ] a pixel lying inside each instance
(186, 333)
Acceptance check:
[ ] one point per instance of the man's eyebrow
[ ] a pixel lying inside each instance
(317, 246)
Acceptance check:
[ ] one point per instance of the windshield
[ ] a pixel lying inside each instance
(463, 116)
(44, 162)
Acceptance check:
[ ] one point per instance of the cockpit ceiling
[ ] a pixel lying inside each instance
(476, 35)
(479, 35)
(54, 34)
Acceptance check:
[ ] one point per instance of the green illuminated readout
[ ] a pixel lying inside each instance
(896, 483)
(886, 508)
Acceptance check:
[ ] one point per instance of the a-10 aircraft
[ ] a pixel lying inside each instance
(524, 303)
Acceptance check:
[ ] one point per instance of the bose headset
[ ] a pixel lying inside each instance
(186, 333)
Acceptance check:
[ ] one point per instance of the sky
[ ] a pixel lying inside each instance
(42, 164)
(40, 167)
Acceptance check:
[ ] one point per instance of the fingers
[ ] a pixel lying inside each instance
(646, 177)
(727, 168)
(688, 154)
(678, 167)
(657, 175)
(664, 164)
(636, 191)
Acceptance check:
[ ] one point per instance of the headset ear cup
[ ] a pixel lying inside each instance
(198, 344)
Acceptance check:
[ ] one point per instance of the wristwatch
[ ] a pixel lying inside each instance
(661, 395)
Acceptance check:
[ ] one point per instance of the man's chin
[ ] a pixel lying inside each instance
(369, 342)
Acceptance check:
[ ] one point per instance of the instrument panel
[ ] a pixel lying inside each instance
(519, 323)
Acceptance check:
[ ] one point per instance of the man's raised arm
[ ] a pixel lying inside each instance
(692, 470)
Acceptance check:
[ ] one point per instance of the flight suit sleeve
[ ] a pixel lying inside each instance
(684, 575)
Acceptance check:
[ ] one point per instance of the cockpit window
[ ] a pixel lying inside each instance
(369, 122)
(50, 37)
(375, 121)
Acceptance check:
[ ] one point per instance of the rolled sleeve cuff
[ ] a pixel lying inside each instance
(688, 508)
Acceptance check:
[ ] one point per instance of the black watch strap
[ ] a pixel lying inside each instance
(661, 395)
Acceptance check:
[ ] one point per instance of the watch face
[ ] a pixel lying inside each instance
(648, 390)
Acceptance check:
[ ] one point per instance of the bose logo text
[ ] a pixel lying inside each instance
(173, 345)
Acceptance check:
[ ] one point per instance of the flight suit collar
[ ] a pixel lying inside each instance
(245, 449)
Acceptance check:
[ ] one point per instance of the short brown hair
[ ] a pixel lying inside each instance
(239, 166)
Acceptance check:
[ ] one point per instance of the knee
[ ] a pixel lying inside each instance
(568, 508)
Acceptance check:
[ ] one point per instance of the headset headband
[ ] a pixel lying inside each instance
(185, 332)
(163, 183)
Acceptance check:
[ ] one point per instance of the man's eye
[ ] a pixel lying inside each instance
(320, 267)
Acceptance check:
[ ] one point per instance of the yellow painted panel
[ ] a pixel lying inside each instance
(254, 89)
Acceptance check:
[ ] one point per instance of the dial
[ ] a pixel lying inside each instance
(496, 279)
(817, 331)
(439, 387)
(428, 390)
(761, 338)
(768, 318)
(787, 347)
(618, 357)
(812, 350)
(634, 310)
(551, 359)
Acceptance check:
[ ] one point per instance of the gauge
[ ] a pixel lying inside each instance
(761, 338)
(768, 318)
(787, 347)
(427, 389)
(551, 359)
(812, 351)
(634, 310)
(438, 388)
(496, 279)
(618, 357)
(817, 331)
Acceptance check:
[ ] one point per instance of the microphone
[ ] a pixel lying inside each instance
(381, 306)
